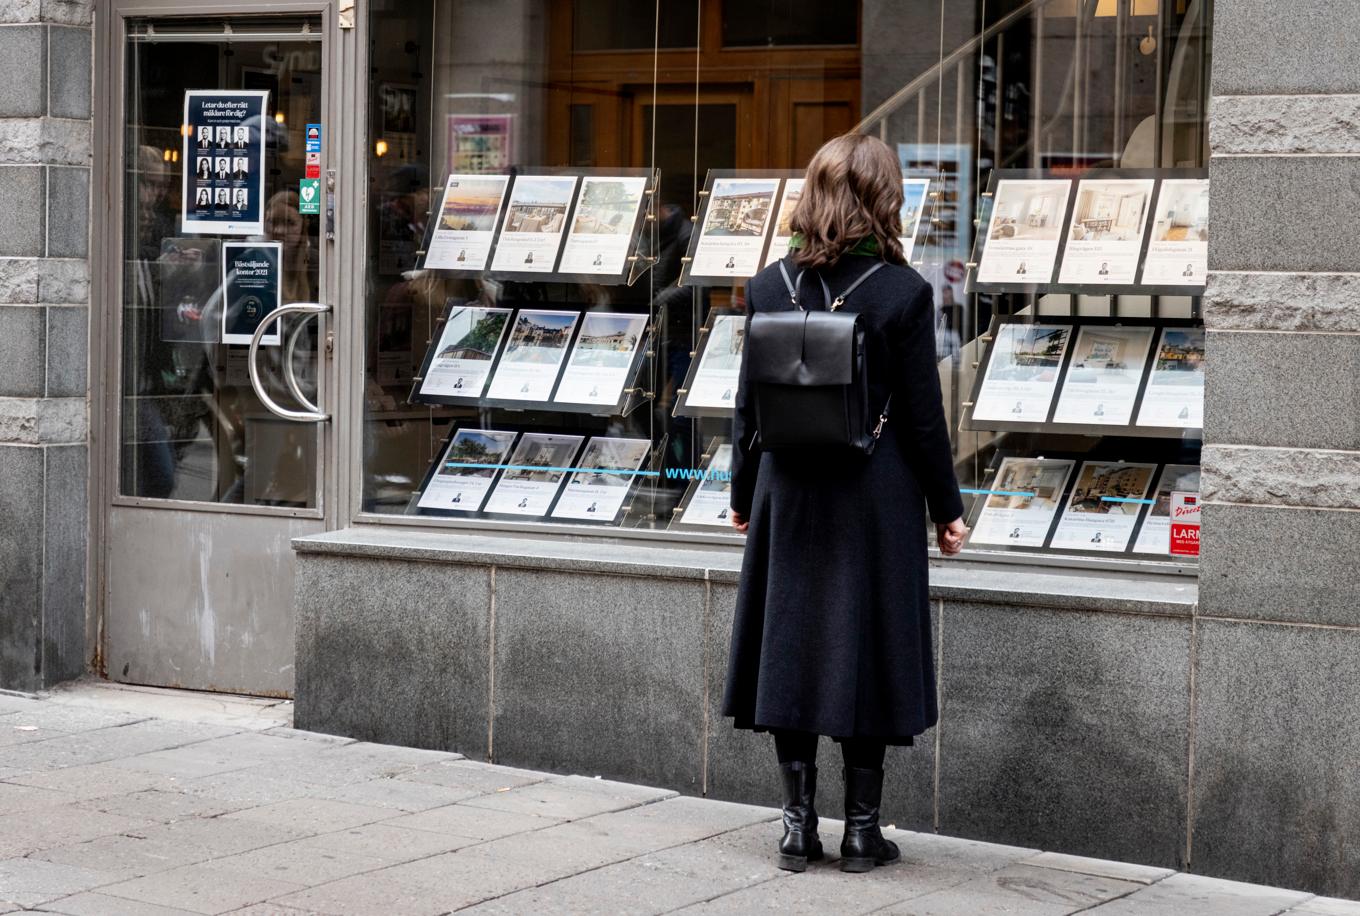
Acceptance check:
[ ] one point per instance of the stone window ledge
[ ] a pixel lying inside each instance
(951, 580)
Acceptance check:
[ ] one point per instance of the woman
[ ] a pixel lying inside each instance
(832, 629)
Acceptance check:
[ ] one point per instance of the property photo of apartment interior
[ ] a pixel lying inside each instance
(1110, 211)
(1029, 211)
(1182, 213)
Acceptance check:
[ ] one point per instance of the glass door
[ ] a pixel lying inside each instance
(224, 207)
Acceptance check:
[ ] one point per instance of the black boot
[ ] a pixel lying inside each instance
(863, 845)
(800, 843)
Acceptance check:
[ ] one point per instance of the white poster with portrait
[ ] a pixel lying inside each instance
(1155, 535)
(915, 198)
(1105, 238)
(1022, 373)
(712, 500)
(1175, 390)
(1104, 506)
(467, 470)
(533, 474)
(715, 382)
(732, 236)
(602, 226)
(538, 344)
(534, 221)
(1178, 251)
(603, 478)
(466, 222)
(597, 370)
(467, 345)
(1101, 385)
(1021, 503)
(1025, 231)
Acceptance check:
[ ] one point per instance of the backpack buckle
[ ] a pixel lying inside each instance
(878, 428)
(837, 303)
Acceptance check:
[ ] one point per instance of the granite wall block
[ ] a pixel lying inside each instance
(1267, 47)
(70, 51)
(23, 71)
(21, 566)
(23, 342)
(1066, 730)
(65, 538)
(23, 188)
(1277, 791)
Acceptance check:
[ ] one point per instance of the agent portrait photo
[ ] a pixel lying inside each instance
(205, 136)
(204, 168)
(223, 168)
(242, 137)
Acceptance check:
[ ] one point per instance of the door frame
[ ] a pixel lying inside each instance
(342, 290)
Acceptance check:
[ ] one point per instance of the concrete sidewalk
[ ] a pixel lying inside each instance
(119, 800)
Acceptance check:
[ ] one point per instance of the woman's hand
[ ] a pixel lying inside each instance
(950, 537)
(738, 521)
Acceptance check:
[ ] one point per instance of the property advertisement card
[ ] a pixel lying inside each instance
(712, 501)
(1022, 372)
(467, 222)
(1175, 389)
(223, 160)
(783, 231)
(1024, 232)
(467, 345)
(1022, 502)
(603, 478)
(733, 233)
(1104, 506)
(250, 290)
(602, 226)
(1105, 239)
(1178, 252)
(914, 199)
(537, 346)
(535, 219)
(533, 474)
(597, 370)
(1155, 535)
(467, 469)
(1102, 379)
(715, 382)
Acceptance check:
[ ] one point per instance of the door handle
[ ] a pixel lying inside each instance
(313, 414)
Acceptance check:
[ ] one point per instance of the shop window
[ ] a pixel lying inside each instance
(552, 346)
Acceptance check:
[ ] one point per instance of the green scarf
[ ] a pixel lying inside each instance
(867, 246)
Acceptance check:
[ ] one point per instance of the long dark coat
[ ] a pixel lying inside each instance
(832, 629)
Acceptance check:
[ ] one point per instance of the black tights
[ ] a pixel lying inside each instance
(859, 753)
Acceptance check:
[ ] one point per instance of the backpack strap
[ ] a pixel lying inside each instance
(791, 285)
(832, 304)
(840, 300)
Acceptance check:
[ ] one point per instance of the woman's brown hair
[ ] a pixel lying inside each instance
(853, 191)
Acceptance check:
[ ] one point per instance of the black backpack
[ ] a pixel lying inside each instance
(809, 374)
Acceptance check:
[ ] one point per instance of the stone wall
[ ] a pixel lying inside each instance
(45, 155)
(1276, 797)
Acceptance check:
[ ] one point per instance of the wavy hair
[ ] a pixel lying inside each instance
(853, 191)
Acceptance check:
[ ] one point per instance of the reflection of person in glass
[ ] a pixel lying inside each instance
(828, 584)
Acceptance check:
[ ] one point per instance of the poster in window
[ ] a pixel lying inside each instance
(1101, 385)
(602, 480)
(914, 201)
(1022, 502)
(467, 216)
(733, 233)
(481, 143)
(223, 159)
(712, 501)
(1155, 535)
(1175, 390)
(602, 226)
(1104, 506)
(1022, 372)
(783, 228)
(535, 218)
(538, 344)
(597, 370)
(533, 474)
(467, 470)
(191, 283)
(1105, 238)
(1178, 252)
(1025, 231)
(715, 382)
(250, 290)
(467, 345)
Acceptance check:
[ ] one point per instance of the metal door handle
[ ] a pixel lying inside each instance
(314, 414)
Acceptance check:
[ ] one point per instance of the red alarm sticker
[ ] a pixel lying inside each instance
(1185, 524)
(313, 165)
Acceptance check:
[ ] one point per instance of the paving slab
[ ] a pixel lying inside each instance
(302, 864)
(466, 820)
(312, 815)
(1124, 871)
(124, 857)
(31, 882)
(1021, 890)
(53, 717)
(371, 894)
(15, 798)
(162, 806)
(1196, 895)
(392, 844)
(97, 904)
(220, 836)
(1326, 906)
(105, 744)
(255, 713)
(58, 825)
(397, 795)
(202, 888)
(96, 780)
(471, 774)
(571, 798)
